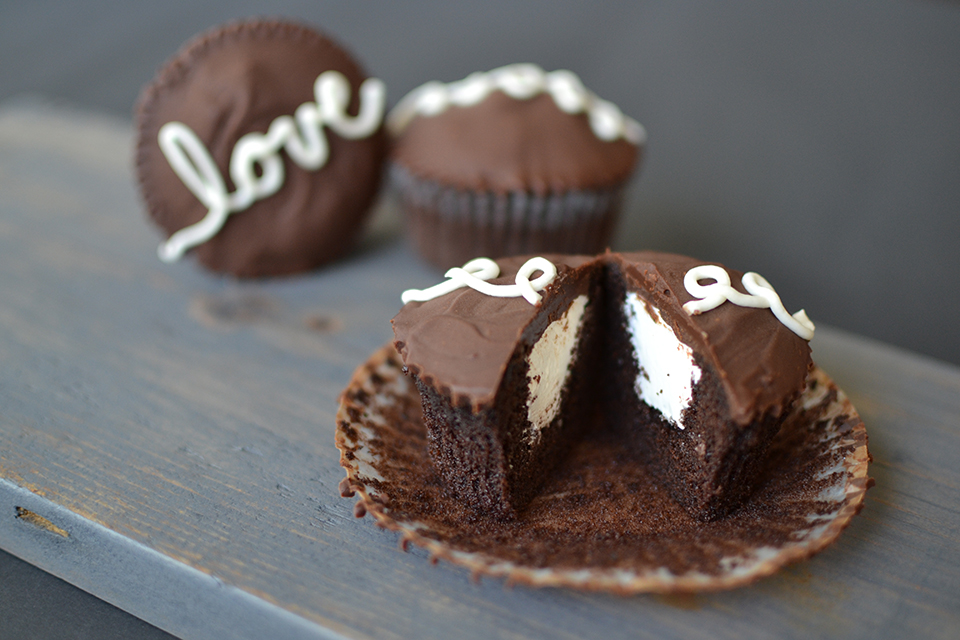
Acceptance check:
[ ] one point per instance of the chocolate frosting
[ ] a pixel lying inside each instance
(460, 343)
(235, 80)
(502, 145)
(759, 360)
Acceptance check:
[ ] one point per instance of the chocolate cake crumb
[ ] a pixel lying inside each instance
(359, 509)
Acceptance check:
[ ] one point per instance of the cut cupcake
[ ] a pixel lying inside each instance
(509, 162)
(603, 522)
(507, 385)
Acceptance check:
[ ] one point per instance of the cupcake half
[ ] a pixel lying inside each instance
(510, 161)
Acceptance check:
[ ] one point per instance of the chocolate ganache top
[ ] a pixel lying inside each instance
(236, 80)
(461, 343)
(503, 144)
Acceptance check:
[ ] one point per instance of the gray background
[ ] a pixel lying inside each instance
(815, 142)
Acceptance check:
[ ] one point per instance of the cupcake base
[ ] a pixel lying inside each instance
(602, 522)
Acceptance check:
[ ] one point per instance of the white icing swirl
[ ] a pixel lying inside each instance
(522, 82)
(760, 295)
(300, 135)
(475, 274)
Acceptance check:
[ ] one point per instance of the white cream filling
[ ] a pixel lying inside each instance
(667, 370)
(550, 363)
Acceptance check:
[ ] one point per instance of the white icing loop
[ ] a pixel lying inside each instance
(482, 268)
(567, 91)
(475, 274)
(760, 295)
(521, 82)
(300, 135)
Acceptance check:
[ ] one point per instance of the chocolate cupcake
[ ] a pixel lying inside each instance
(603, 522)
(511, 161)
(260, 148)
(512, 372)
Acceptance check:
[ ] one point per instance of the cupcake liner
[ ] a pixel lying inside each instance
(604, 524)
(450, 226)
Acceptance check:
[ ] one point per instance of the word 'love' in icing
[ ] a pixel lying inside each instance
(760, 296)
(521, 82)
(475, 274)
(300, 135)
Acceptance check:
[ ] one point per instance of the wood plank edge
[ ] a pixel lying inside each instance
(137, 579)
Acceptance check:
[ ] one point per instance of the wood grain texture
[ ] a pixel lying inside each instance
(194, 414)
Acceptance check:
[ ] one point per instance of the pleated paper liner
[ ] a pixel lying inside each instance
(602, 522)
(449, 226)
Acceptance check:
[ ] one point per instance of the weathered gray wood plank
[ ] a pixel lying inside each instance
(193, 415)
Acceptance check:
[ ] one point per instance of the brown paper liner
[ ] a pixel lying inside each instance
(602, 522)
(449, 227)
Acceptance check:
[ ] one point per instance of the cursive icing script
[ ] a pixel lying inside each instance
(300, 135)
(475, 274)
(760, 295)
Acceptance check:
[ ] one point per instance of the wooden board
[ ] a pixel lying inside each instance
(166, 442)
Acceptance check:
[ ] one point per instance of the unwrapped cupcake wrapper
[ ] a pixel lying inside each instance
(449, 226)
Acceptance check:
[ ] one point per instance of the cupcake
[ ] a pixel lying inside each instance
(511, 161)
(438, 427)
(513, 373)
(260, 147)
